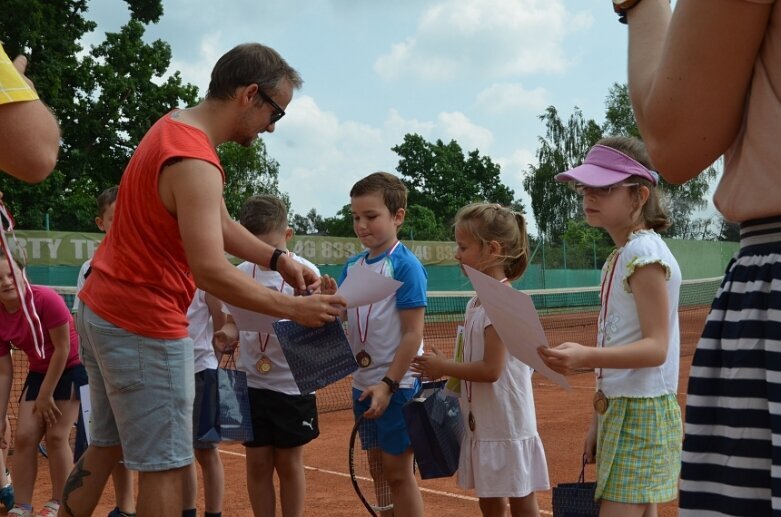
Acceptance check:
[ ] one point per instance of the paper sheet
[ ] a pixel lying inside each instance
(516, 321)
(362, 286)
(86, 409)
(251, 321)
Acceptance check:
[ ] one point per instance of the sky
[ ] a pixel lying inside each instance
(476, 71)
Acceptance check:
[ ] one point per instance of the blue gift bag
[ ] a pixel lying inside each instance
(222, 409)
(317, 356)
(436, 428)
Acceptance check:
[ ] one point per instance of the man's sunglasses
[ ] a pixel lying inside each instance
(278, 111)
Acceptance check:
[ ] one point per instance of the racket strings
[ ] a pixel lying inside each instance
(367, 469)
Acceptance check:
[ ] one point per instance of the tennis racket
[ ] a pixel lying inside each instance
(366, 468)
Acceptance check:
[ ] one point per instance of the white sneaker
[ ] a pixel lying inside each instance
(18, 511)
(50, 509)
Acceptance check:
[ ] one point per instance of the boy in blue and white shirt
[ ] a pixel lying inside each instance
(387, 335)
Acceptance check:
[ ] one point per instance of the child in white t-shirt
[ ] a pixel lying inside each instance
(283, 418)
(204, 315)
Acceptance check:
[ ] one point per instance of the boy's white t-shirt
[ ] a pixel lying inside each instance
(622, 324)
(201, 330)
(80, 283)
(254, 345)
(376, 329)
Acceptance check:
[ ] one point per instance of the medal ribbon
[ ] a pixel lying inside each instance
(604, 297)
(363, 335)
(22, 285)
(264, 344)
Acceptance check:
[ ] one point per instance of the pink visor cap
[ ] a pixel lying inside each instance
(605, 166)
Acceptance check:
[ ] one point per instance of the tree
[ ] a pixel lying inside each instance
(440, 178)
(420, 223)
(341, 224)
(105, 100)
(563, 147)
(310, 224)
(249, 171)
(728, 231)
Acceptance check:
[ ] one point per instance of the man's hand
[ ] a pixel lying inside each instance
(303, 279)
(318, 309)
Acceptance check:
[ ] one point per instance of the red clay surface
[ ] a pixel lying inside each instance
(562, 418)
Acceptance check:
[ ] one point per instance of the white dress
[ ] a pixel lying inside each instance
(503, 456)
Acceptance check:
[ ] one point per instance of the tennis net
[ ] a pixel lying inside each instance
(566, 315)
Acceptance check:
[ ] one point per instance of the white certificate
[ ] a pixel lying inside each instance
(515, 319)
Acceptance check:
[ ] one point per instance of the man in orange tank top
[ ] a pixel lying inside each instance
(170, 233)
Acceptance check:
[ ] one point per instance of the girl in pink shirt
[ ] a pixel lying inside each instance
(49, 403)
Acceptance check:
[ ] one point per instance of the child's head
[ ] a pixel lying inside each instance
(265, 216)
(8, 293)
(378, 203)
(618, 185)
(490, 236)
(107, 201)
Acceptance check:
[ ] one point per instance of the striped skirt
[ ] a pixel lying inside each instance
(731, 461)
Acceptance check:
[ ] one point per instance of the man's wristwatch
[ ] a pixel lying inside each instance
(622, 6)
(393, 385)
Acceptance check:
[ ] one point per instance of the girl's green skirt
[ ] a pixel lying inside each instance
(639, 450)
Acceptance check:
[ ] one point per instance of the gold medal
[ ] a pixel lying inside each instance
(471, 420)
(263, 365)
(600, 402)
(364, 359)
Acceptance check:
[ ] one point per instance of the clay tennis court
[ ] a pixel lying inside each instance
(562, 419)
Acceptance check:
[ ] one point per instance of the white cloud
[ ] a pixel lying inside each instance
(198, 70)
(321, 156)
(456, 126)
(513, 172)
(497, 38)
(504, 97)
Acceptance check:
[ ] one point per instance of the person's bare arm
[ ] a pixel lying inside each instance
(192, 190)
(29, 136)
(411, 337)
(689, 76)
(219, 318)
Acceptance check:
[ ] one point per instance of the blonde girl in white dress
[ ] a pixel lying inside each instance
(502, 457)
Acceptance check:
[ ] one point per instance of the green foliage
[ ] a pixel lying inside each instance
(421, 224)
(310, 224)
(442, 179)
(564, 146)
(340, 225)
(249, 171)
(106, 99)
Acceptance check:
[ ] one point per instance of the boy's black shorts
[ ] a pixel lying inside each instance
(281, 420)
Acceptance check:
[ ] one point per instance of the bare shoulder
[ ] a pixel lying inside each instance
(189, 180)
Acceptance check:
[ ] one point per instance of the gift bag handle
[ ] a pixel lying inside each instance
(230, 362)
(582, 477)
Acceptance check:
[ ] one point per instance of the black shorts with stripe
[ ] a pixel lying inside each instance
(281, 420)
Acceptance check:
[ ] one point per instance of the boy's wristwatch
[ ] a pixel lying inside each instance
(393, 385)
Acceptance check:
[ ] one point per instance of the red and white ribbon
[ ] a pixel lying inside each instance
(21, 284)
